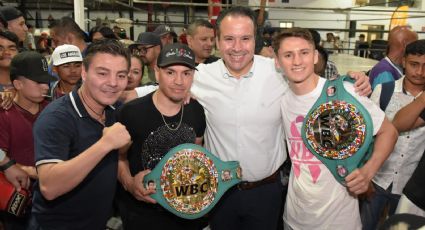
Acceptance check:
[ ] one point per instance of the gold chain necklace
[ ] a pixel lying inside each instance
(180, 122)
(163, 119)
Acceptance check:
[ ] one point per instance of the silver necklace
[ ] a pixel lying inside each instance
(180, 122)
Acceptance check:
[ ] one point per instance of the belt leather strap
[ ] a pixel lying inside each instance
(246, 185)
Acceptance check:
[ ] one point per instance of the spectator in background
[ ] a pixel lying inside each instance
(214, 8)
(147, 47)
(268, 33)
(67, 31)
(15, 21)
(67, 63)
(201, 39)
(9, 48)
(330, 71)
(30, 78)
(412, 199)
(360, 45)
(3, 26)
(166, 34)
(390, 180)
(338, 44)
(320, 66)
(136, 72)
(43, 44)
(30, 41)
(119, 32)
(101, 32)
(264, 47)
(390, 68)
(329, 43)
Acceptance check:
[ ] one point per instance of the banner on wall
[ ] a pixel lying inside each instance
(399, 17)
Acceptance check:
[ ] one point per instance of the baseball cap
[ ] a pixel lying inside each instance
(31, 65)
(9, 13)
(65, 54)
(164, 29)
(146, 38)
(176, 53)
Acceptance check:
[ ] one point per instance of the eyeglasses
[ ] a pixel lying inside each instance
(141, 50)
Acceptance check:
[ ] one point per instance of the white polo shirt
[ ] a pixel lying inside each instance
(244, 121)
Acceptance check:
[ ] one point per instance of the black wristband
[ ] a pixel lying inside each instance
(7, 165)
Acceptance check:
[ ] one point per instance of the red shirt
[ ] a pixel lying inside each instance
(16, 133)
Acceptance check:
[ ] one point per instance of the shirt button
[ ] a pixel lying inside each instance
(395, 172)
(408, 137)
(402, 155)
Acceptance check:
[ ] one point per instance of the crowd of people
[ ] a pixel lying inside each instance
(82, 129)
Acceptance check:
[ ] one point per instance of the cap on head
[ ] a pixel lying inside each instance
(146, 38)
(65, 54)
(164, 29)
(31, 65)
(176, 53)
(9, 13)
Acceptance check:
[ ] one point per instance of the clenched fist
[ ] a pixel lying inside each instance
(116, 136)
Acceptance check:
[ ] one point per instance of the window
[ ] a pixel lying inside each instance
(286, 24)
(394, 3)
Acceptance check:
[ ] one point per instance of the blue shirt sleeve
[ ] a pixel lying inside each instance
(382, 78)
(53, 136)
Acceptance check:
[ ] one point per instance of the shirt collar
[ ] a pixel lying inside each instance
(227, 74)
(395, 66)
(78, 106)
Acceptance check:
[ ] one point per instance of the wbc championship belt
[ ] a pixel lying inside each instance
(338, 130)
(189, 180)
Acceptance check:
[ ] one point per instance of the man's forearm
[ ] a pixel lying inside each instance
(407, 118)
(383, 146)
(57, 179)
(141, 91)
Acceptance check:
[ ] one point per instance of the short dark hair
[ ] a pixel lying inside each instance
(323, 52)
(104, 30)
(316, 36)
(362, 36)
(236, 11)
(6, 34)
(107, 46)
(67, 25)
(198, 23)
(292, 32)
(415, 48)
